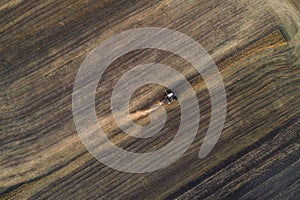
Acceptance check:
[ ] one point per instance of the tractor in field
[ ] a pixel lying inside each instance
(169, 97)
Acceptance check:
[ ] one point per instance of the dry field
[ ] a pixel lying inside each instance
(256, 47)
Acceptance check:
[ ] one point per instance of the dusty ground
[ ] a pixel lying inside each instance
(255, 45)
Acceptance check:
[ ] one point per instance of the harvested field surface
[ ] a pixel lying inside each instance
(256, 47)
